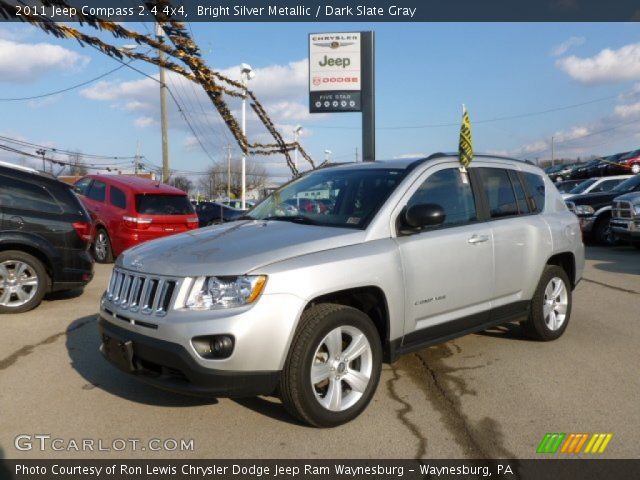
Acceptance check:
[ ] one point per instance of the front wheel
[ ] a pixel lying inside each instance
(550, 307)
(602, 232)
(333, 366)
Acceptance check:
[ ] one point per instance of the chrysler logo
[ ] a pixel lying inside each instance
(136, 263)
(334, 44)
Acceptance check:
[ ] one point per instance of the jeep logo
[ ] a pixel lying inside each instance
(334, 62)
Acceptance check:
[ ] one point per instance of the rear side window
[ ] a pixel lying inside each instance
(521, 197)
(535, 191)
(118, 198)
(97, 191)
(499, 191)
(26, 196)
(82, 186)
(446, 188)
(163, 205)
(605, 186)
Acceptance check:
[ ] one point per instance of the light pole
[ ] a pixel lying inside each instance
(296, 135)
(246, 74)
(40, 151)
(327, 155)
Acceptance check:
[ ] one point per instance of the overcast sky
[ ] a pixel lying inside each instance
(584, 77)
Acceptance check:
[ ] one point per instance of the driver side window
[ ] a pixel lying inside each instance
(447, 189)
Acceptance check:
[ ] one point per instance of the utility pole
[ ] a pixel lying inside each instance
(356, 154)
(163, 111)
(552, 155)
(246, 74)
(136, 160)
(296, 136)
(228, 172)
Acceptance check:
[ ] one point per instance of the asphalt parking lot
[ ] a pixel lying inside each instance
(493, 394)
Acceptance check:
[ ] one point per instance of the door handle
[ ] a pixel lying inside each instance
(475, 239)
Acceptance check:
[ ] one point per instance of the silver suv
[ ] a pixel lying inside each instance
(340, 270)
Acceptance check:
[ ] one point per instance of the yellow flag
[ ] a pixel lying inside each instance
(465, 147)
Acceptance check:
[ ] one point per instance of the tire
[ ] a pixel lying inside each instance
(332, 400)
(101, 249)
(552, 325)
(23, 282)
(635, 168)
(602, 233)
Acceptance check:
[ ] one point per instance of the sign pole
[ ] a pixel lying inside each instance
(368, 96)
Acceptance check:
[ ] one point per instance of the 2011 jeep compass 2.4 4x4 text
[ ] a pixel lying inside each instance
(308, 303)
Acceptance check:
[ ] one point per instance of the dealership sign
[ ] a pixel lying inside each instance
(335, 75)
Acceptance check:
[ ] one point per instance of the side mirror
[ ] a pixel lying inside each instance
(424, 215)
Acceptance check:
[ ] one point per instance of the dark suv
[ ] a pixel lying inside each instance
(45, 234)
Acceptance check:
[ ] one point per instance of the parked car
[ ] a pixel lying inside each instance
(629, 163)
(129, 210)
(585, 170)
(595, 185)
(308, 305)
(563, 173)
(237, 204)
(609, 165)
(566, 186)
(211, 213)
(594, 210)
(625, 218)
(45, 234)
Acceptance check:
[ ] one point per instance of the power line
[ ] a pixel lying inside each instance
(488, 120)
(57, 92)
(24, 143)
(53, 160)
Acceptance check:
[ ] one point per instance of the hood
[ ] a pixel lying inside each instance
(593, 198)
(633, 197)
(234, 248)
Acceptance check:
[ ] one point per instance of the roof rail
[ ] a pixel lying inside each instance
(18, 167)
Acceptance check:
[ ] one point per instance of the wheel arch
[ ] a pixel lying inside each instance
(566, 261)
(371, 300)
(35, 250)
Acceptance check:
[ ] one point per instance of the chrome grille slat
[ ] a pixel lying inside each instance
(150, 295)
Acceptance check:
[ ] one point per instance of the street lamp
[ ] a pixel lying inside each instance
(296, 135)
(327, 155)
(246, 74)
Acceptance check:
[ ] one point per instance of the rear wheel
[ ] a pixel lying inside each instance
(102, 251)
(333, 366)
(23, 282)
(550, 307)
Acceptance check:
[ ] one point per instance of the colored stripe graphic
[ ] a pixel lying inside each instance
(574, 443)
(551, 442)
(598, 443)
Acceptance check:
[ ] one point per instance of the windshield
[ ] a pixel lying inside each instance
(628, 185)
(566, 186)
(337, 198)
(581, 187)
(163, 205)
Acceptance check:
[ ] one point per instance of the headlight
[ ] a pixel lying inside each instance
(208, 293)
(636, 209)
(584, 210)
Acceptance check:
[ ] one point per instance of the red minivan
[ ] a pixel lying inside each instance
(128, 210)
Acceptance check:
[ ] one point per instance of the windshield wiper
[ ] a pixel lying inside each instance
(292, 218)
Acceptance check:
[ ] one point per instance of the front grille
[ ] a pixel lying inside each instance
(147, 294)
(622, 210)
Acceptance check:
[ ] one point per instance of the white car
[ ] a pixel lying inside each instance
(595, 185)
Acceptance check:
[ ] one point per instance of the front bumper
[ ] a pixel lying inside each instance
(171, 367)
(626, 229)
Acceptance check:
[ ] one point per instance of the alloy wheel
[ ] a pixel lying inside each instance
(101, 245)
(556, 302)
(18, 283)
(341, 368)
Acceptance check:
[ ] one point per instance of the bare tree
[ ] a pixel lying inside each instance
(77, 165)
(183, 183)
(218, 181)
